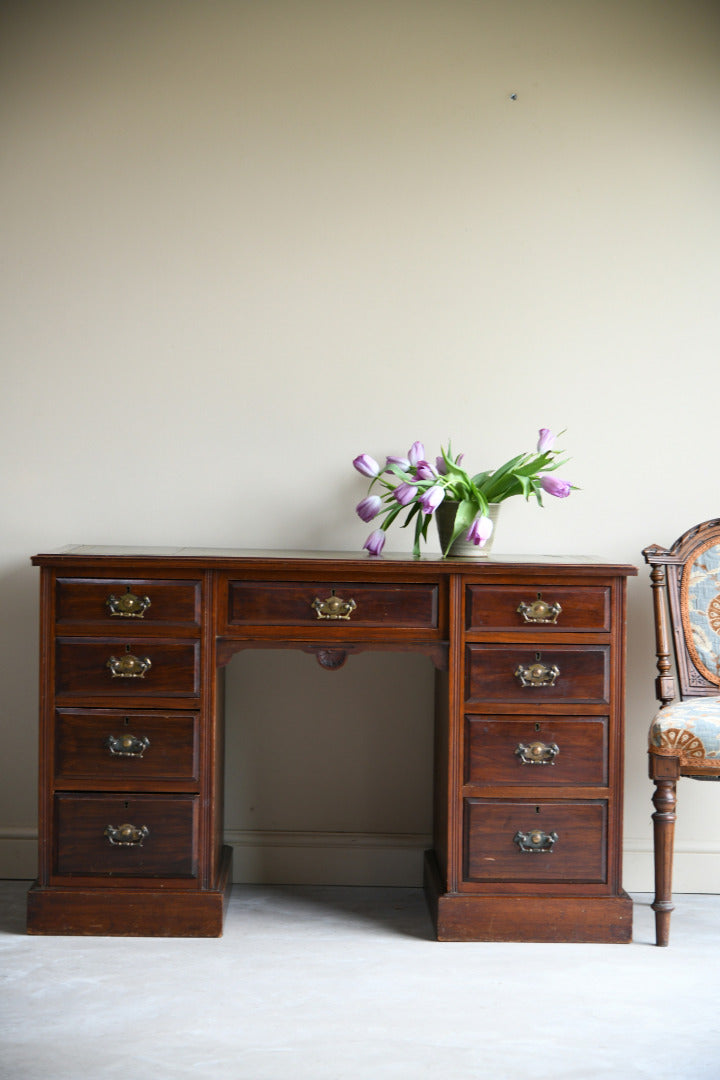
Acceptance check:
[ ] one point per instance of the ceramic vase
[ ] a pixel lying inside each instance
(461, 548)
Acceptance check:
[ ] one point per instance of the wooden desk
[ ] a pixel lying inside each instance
(529, 657)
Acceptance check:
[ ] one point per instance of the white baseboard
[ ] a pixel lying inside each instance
(696, 867)
(274, 857)
(18, 854)
(327, 858)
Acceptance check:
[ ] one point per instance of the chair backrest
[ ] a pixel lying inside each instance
(686, 581)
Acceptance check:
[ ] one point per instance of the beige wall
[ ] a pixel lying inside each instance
(244, 241)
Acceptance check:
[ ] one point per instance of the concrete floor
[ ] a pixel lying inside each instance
(319, 983)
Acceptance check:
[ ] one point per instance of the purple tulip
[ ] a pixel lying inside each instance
(546, 440)
(375, 542)
(425, 471)
(405, 493)
(401, 462)
(369, 508)
(480, 531)
(431, 499)
(367, 465)
(555, 486)
(416, 453)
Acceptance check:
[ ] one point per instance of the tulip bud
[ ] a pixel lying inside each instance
(401, 462)
(480, 531)
(431, 499)
(555, 486)
(405, 493)
(425, 471)
(367, 465)
(546, 440)
(416, 453)
(375, 542)
(369, 508)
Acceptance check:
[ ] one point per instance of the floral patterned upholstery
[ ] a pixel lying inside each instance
(700, 604)
(690, 731)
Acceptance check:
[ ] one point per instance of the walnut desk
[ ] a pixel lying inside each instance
(530, 670)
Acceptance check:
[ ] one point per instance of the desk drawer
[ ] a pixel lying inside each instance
(539, 842)
(127, 668)
(532, 751)
(537, 674)
(105, 746)
(136, 602)
(326, 604)
(545, 609)
(137, 836)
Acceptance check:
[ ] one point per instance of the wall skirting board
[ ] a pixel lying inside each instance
(276, 857)
(696, 866)
(18, 853)
(327, 858)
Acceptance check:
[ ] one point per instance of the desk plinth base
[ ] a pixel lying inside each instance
(129, 912)
(474, 917)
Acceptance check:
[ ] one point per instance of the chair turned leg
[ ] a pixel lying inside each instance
(664, 800)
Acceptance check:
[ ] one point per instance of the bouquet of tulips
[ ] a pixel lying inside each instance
(411, 483)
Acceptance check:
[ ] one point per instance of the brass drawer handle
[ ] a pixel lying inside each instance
(535, 841)
(537, 753)
(333, 607)
(127, 835)
(128, 606)
(127, 745)
(128, 666)
(537, 674)
(538, 611)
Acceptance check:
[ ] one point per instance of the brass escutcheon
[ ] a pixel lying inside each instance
(537, 753)
(539, 611)
(128, 606)
(537, 674)
(126, 835)
(127, 745)
(535, 841)
(333, 607)
(128, 666)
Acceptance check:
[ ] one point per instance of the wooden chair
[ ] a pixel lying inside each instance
(684, 737)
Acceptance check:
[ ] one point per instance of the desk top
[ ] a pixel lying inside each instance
(347, 561)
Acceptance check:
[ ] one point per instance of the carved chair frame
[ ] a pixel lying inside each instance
(668, 568)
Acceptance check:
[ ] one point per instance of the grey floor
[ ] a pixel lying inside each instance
(348, 984)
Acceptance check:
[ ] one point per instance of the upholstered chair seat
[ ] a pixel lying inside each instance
(690, 731)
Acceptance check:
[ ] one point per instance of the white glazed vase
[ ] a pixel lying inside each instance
(462, 548)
